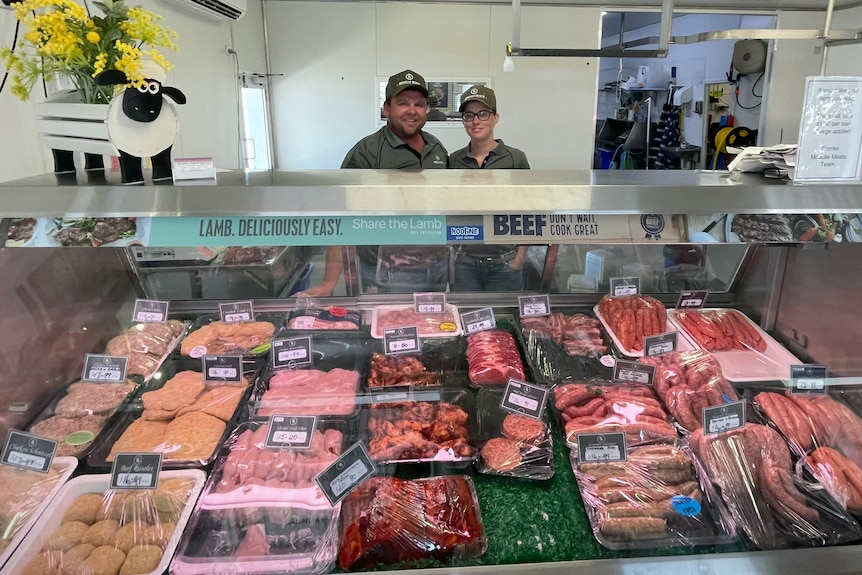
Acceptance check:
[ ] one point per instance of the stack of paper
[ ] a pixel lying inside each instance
(779, 160)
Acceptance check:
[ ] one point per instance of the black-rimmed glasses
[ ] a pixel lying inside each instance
(483, 115)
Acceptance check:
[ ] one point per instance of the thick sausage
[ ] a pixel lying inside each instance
(633, 527)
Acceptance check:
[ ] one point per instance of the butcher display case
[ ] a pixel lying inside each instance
(746, 240)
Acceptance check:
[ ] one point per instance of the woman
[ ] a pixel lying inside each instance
(486, 267)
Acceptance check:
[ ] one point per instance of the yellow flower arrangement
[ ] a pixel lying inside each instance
(62, 39)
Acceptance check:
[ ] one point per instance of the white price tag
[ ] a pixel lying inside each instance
(479, 326)
(347, 478)
(236, 317)
(811, 384)
(724, 423)
(293, 354)
(26, 460)
(138, 480)
(148, 316)
(402, 345)
(525, 402)
(222, 372)
(602, 453)
(290, 436)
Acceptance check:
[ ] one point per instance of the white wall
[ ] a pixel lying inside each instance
(203, 71)
(844, 60)
(331, 53)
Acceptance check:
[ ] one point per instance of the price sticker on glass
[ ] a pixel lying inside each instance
(293, 431)
(534, 305)
(808, 379)
(725, 417)
(235, 312)
(479, 320)
(29, 452)
(524, 399)
(625, 286)
(401, 340)
(602, 447)
(346, 473)
(148, 310)
(292, 352)
(633, 372)
(222, 368)
(429, 302)
(136, 470)
(105, 368)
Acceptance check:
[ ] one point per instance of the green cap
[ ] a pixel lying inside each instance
(479, 93)
(408, 79)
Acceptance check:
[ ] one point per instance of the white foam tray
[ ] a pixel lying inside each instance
(68, 465)
(49, 522)
(377, 332)
(682, 342)
(743, 364)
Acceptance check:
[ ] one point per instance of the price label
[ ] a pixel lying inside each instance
(534, 305)
(625, 286)
(524, 399)
(294, 431)
(400, 340)
(808, 379)
(30, 452)
(147, 310)
(235, 312)
(690, 299)
(136, 470)
(479, 320)
(723, 417)
(222, 368)
(602, 447)
(105, 368)
(633, 372)
(346, 473)
(429, 302)
(660, 344)
(292, 352)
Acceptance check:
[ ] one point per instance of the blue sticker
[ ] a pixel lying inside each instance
(685, 505)
(464, 233)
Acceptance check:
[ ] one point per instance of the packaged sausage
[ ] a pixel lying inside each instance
(101, 530)
(493, 358)
(744, 351)
(652, 499)
(602, 407)
(563, 347)
(630, 319)
(26, 495)
(389, 520)
(687, 382)
(774, 506)
(258, 538)
(186, 419)
(512, 445)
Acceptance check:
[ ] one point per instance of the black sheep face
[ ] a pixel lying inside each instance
(144, 103)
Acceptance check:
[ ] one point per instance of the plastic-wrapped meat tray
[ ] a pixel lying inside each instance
(249, 339)
(512, 445)
(185, 419)
(564, 346)
(438, 363)
(752, 469)
(147, 345)
(420, 426)
(248, 472)
(328, 388)
(745, 352)
(629, 319)
(493, 356)
(258, 539)
(80, 414)
(389, 520)
(651, 500)
(446, 324)
(134, 530)
(332, 319)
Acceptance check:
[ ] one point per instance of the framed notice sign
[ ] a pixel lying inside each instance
(830, 134)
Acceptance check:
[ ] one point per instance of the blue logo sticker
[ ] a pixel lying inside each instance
(464, 233)
(685, 505)
(653, 225)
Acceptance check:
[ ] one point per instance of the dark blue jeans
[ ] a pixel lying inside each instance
(394, 280)
(482, 276)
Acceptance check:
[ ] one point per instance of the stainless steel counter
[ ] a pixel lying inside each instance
(450, 192)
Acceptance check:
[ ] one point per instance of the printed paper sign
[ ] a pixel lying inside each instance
(830, 133)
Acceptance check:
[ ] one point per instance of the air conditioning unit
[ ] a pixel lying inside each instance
(215, 9)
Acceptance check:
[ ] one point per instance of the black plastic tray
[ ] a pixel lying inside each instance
(505, 322)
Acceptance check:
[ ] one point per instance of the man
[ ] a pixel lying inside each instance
(486, 267)
(400, 144)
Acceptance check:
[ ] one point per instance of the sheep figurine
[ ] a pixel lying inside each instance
(139, 125)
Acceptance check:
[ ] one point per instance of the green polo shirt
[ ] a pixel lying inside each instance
(502, 157)
(383, 150)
